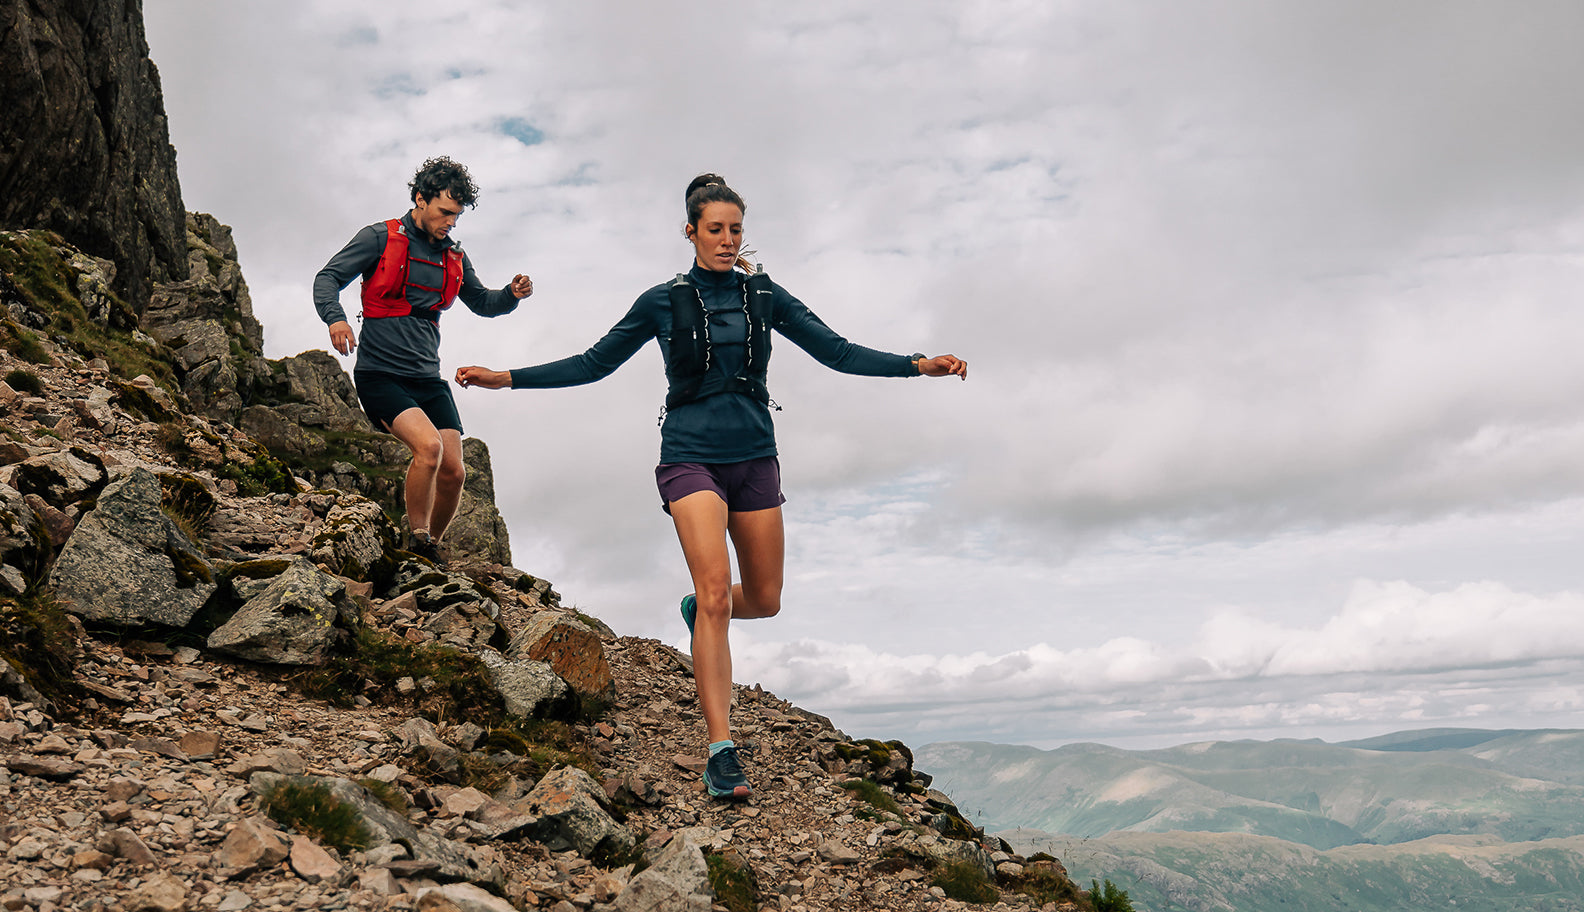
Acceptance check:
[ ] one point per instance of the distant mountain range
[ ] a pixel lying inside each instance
(1389, 823)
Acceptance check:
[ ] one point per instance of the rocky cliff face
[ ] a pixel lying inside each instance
(84, 147)
(223, 685)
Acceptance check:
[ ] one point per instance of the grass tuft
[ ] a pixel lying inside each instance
(24, 381)
(873, 794)
(311, 808)
(965, 882)
(733, 881)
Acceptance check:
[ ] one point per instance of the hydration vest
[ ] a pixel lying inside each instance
(385, 290)
(691, 353)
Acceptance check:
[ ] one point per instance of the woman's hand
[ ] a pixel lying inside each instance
(483, 376)
(943, 366)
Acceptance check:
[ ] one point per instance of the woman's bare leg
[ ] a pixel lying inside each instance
(702, 524)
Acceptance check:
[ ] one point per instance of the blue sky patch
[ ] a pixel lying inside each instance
(520, 129)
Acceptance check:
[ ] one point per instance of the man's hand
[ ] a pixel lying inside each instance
(521, 286)
(943, 366)
(482, 376)
(341, 337)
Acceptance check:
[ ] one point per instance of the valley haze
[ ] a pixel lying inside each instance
(1417, 820)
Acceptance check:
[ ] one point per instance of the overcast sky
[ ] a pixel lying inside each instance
(1275, 425)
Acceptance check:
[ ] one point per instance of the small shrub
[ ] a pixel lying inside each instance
(463, 687)
(965, 882)
(1109, 898)
(1045, 884)
(24, 381)
(25, 345)
(311, 808)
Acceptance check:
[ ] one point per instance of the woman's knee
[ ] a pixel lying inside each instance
(714, 601)
(764, 599)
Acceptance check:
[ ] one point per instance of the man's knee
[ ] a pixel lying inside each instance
(452, 473)
(427, 451)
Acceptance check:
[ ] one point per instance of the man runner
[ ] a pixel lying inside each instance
(412, 270)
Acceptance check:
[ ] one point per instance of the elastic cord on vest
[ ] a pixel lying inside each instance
(691, 355)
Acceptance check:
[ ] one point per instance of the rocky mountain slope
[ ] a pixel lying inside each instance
(223, 686)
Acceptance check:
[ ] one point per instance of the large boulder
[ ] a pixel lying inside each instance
(207, 322)
(290, 619)
(127, 563)
(60, 477)
(316, 378)
(355, 536)
(478, 530)
(677, 880)
(570, 807)
(84, 144)
(571, 649)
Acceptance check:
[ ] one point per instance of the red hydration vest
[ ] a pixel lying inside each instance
(385, 290)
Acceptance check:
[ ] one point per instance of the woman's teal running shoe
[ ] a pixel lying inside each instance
(723, 775)
(689, 613)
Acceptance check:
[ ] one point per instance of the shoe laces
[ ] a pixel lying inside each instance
(725, 760)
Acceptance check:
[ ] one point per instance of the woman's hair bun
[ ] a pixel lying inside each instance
(703, 180)
(709, 188)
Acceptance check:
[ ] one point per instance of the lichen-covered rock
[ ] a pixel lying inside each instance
(127, 563)
(356, 535)
(530, 689)
(570, 806)
(677, 880)
(293, 621)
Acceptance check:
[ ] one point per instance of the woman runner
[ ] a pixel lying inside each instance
(718, 474)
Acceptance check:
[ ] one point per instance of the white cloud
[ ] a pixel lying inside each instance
(1394, 655)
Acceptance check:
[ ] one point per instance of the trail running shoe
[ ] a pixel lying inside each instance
(723, 775)
(427, 548)
(689, 612)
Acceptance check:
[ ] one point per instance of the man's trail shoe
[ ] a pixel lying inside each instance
(689, 612)
(723, 775)
(427, 548)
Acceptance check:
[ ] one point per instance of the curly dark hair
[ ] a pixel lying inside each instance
(439, 174)
(709, 188)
